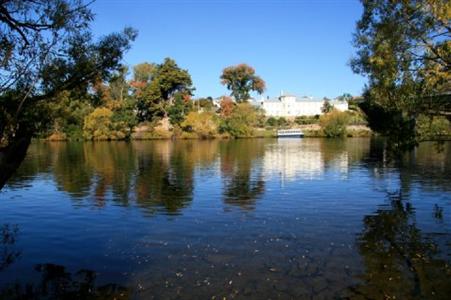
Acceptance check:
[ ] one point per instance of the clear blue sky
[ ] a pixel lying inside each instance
(302, 47)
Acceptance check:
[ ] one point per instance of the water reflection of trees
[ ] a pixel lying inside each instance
(401, 261)
(57, 283)
(242, 171)
(8, 251)
(165, 175)
(160, 174)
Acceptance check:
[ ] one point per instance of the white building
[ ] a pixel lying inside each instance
(292, 106)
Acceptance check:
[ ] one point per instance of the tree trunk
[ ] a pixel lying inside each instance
(11, 157)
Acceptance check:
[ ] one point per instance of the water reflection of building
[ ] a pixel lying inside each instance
(302, 159)
(290, 158)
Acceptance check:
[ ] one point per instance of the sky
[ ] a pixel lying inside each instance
(301, 47)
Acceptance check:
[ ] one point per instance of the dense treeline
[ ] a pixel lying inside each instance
(157, 103)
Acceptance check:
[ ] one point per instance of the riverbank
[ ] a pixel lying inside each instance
(146, 132)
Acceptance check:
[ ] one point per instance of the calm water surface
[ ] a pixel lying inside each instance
(247, 219)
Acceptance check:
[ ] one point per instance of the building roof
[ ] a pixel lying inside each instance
(298, 99)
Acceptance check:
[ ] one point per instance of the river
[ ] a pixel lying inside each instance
(238, 219)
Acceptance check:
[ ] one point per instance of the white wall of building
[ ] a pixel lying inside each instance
(291, 106)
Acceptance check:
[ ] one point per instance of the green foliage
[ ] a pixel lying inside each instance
(306, 120)
(171, 79)
(178, 110)
(68, 114)
(155, 88)
(403, 50)
(398, 126)
(271, 121)
(242, 121)
(345, 97)
(430, 127)
(98, 125)
(203, 124)
(356, 117)
(241, 80)
(205, 104)
(334, 123)
(277, 122)
(104, 124)
(281, 122)
(47, 48)
(143, 72)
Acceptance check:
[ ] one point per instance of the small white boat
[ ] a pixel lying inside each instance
(290, 133)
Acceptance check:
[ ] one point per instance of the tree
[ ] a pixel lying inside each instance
(118, 85)
(345, 97)
(404, 49)
(144, 72)
(241, 80)
(172, 79)
(178, 110)
(46, 48)
(327, 107)
(155, 90)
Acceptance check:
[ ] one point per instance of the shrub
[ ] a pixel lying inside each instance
(204, 124)
(334, 123)
(98, 125)
(306, 120)
(271, 121)
(356, 117)
(242, 120)
(282, 122)
(103, 124)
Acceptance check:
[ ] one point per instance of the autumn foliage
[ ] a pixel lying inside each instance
(241, 80)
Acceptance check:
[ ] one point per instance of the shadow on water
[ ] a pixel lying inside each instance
(57, 283)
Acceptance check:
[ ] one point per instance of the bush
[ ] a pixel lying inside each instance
(307, 120)
(242, 120)
(334, 123)
(432, 128)
(356, 118)
(271, 122)
(277, 122)
(103, 124)
(204, 124)
(282, 122)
